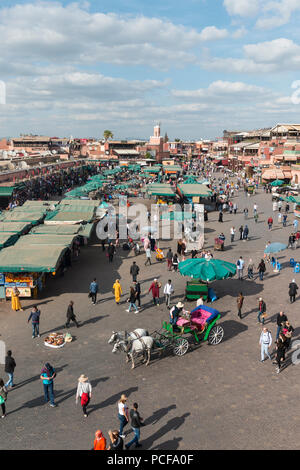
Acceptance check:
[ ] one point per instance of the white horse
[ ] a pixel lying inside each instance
(137, 346)
(123, 335)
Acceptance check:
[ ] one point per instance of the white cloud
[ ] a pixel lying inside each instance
(242, 8)
(272, 13)
(281, 12)
(276, 51)
(221, 91)
(239, 33)
(211, 33)
(49, 31)
(279, 55)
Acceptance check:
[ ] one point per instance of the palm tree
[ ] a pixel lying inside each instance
(107, 135)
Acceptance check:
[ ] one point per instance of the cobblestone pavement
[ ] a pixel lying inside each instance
(218, 397)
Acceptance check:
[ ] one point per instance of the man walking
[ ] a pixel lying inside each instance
(137, 288)
(136, 423)
(232, 233)
(293, 291)
(111, 251)
(280, 321)
(71, 315)
(10, 365)
(93, 291)
(169, 257)
(35, 320)
(240, 301)
(148, 256)
(241, 230)
(265, 342)
(134, 271)
(240, 267)
(261, 310)
(168, 291)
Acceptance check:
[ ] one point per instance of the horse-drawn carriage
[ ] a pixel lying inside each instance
(200, 324)
(192, 328)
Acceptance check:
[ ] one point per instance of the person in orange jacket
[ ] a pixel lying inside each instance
(100, 441)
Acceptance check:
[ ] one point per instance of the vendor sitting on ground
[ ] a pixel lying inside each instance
(175, 313)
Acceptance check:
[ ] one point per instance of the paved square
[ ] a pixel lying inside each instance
(218, 397)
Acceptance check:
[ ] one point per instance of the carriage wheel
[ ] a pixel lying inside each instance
(180, 346)
(216, 335)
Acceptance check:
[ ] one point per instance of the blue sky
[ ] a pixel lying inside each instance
(199, 66)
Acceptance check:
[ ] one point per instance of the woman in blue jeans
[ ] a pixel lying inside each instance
(122, 414)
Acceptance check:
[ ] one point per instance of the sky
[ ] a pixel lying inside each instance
(198, 67)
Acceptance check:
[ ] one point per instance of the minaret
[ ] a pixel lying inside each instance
(157, 130)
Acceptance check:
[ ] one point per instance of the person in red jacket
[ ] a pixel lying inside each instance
(270, 222)
(155, 286)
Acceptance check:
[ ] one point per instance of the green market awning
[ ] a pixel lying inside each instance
(152, 169)
(86, 230)
(179, 216)
(28, 259)
(56, 229)
(160, 189)
(46, 240)
(6, 191)
(8, 239)
(194, 190)
(15, 227)
(22, 216)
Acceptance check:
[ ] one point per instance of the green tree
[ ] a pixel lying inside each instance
(177, 140)
(107, 135)
(148, 155)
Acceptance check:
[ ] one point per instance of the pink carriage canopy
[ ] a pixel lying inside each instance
(199, 316)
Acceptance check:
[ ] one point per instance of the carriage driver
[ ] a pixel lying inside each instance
(175, 313)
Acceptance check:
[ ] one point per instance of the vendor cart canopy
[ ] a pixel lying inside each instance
(157, 189)
(6, 191)
(22, 216)
(58, 240)
(8, 239)
(15, 227)
(29, 259)
(193, 190)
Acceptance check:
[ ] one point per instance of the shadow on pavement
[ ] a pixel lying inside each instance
(172, 425)
(232, 328)
(169, 445)
(113, 399)
(158, 414)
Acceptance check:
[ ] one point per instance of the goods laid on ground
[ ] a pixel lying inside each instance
(55, 340)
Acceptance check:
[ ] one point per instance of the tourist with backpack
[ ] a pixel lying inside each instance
(84, 392)
(240, 267)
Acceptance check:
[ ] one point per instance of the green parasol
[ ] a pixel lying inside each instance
(207, 270)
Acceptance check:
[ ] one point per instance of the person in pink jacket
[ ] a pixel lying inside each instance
(146, 243)
(155, 286)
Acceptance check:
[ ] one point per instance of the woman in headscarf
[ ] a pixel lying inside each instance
(15, 301)
(118, 291)
(84, 392)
